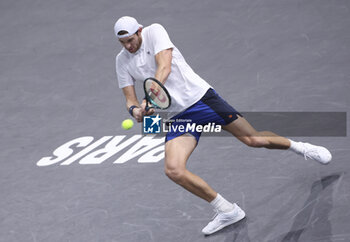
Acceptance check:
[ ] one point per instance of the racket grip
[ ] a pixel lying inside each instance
(147, 109)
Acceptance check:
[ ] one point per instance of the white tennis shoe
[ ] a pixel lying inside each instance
(317, 153)
(222, 220)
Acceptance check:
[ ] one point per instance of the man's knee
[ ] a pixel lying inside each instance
(175, 173)
(255, 141)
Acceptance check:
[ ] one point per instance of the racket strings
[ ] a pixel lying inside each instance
(157, 95)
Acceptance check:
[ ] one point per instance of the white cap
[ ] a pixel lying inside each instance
(128, 24)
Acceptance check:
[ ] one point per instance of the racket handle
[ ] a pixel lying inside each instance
(147, 108)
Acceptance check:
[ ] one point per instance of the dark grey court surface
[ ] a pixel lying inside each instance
(59, 96)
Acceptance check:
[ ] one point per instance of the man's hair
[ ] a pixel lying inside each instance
(122, 32)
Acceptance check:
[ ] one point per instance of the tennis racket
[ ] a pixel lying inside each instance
(156, 94)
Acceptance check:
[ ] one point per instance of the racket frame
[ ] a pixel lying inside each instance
(149, 100)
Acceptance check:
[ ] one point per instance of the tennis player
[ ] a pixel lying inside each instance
(149, 52)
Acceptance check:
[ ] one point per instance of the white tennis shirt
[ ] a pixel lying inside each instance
(183, 84)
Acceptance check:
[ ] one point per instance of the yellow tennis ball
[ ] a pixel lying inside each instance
(127, 124)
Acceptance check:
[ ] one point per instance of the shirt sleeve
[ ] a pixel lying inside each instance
(123, 76)
(160, 38)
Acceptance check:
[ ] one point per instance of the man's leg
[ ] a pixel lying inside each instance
(177, 152)
(248, 135)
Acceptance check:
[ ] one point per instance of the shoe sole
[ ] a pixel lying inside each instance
(327, 159)
(241, 216)
(327, 155)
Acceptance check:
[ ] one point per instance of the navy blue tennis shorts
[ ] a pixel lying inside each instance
(211, 108)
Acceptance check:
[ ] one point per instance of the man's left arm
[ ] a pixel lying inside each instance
(163, 60)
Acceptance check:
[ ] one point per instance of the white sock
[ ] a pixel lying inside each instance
(221, 204)
(295, 146)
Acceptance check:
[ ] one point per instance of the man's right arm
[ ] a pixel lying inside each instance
(131, 100)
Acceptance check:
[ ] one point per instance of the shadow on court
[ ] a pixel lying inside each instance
(315, 212)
